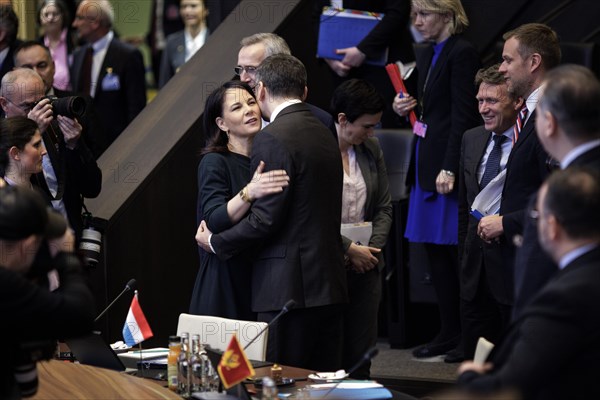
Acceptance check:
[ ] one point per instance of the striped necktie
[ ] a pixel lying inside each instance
(492, 165)
(521, 117)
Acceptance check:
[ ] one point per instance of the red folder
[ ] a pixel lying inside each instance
(394, 74)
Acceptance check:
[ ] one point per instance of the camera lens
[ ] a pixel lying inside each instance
(72, 107)
(91, 243)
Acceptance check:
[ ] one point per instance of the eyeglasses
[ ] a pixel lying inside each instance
(23, 107)
(249, 70)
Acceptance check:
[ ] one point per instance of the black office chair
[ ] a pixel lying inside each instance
(396, 145)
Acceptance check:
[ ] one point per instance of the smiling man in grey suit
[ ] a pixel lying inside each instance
(115, 76)
(485, 279)
(301, 254)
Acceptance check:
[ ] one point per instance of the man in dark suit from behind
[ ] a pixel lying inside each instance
(551, 350)
(568, 126)
(36, 56)
(301, 256)
(118, 84)
(38, 316)
(485, 276)
(254, 50)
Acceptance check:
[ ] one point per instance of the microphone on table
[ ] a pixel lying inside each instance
(131, 285)
(368, 356)
(287, 307)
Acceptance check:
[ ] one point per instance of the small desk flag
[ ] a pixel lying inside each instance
(234, 366)
(136, 327)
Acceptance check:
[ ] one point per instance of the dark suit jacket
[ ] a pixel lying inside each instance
(76, 171)
(533, 267)
(449, 108)
(525, 171)
(301, 256)
(173, 57)
(9, 62)
(378, 208)
(474, 253)
(39, 315)
(551, 351)
(116, 108)
(324, 117)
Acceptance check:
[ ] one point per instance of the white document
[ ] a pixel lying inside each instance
(484, 347)
(145, 354)
(488, 200)
(359, 233)
(349, 385)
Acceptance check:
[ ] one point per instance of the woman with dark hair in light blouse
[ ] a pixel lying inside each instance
(357, 108)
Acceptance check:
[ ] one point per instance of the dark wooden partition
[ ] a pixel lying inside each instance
(148, 198)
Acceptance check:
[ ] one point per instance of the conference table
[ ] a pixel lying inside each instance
(62, 380)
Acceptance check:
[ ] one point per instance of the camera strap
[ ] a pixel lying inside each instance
(53, 139)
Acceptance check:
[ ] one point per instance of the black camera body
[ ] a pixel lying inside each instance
(71, 107)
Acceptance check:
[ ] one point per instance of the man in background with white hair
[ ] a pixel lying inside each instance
(108, 70)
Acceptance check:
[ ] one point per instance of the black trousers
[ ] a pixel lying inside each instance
(483, 316)
(309, 338)
(360, 320)
(443, 264)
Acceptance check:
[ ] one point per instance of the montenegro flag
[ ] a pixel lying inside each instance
(234, 366)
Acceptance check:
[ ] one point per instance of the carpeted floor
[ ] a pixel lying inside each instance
(399, 363)
(398, 370)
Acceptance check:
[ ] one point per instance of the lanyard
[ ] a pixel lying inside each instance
(422, 99)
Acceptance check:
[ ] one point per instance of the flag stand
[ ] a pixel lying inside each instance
(141, 362)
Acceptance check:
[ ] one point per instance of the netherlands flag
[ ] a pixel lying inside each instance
(136, 327)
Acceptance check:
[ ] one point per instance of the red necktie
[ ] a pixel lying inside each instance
(521, 117)
(86, 71)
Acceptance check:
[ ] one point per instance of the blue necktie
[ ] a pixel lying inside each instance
(492, 166)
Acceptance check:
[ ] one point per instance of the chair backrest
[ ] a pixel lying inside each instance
(217, 332)
(396, 145)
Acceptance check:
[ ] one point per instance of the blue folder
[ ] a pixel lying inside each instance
(339, 29)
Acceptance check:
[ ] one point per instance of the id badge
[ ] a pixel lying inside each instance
(111, 82)
(420, 129)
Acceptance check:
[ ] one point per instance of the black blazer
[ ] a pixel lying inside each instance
(525, 171)
(116, 108)
(472, 250)
(76, 171)
(533, 266)
(299, 229)
(9, 62)
(324, 117)
(449, 108)
(551, 351)
(173, 57)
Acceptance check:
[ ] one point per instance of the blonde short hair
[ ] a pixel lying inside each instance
(453, 7)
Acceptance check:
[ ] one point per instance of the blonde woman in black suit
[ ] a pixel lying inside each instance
(446, 107)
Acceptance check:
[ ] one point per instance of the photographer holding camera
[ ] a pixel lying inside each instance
(70, 171)
(33, 316)
(34, 55)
